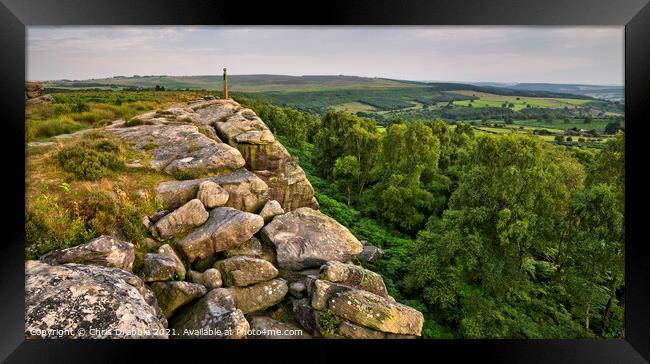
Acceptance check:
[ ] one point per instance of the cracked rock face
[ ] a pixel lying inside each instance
(181, 148)
(306, 238)
(103, 251)
(67, 298)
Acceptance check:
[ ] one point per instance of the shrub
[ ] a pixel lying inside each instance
(90, 161)
(79, 106)
(85, 164)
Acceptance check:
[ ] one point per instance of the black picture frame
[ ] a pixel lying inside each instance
(15, 15)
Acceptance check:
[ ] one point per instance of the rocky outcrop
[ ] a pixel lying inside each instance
(40, 99)
(70, 300)
(243, 129)
(246, 191)
(242, 246)
(190, 215)
(226, 228)
(306, 238)
(103, 251)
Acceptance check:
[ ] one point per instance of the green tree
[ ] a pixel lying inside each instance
(408, 161)
(507, 210)
(346, 173)
(344, 134)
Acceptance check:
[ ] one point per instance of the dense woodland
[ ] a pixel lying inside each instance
(492, 236)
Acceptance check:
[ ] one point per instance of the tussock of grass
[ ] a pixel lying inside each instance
(52, 127)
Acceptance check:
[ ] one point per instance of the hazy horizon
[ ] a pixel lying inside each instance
(470, 54)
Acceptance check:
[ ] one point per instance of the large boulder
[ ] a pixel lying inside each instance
(263, 327)
(243, 271)
(180, 149)
(111, 302)
(354, 276)
(376, 312)
(247, 192)
(306, 238)
(172, 295)
(259, 296)
(226, 228)
(104, 251)
(188, 216)
(214, 316)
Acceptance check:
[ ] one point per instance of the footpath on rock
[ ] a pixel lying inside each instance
(244, 253)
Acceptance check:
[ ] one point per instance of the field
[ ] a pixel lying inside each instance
(379, 99)
(492, 100)
(241, 83)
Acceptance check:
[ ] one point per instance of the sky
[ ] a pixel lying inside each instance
(585, 55)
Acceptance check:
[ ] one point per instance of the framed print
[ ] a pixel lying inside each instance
(360, 179)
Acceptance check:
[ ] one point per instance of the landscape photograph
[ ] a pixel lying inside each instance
(324, 182)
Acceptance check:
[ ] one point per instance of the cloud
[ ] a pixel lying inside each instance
(509, 54)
